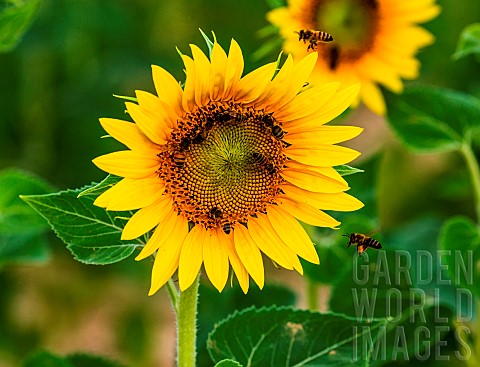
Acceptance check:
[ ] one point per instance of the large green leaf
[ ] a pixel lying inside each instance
(279, 336)
(469, 42)
(15, 18)
(433, 119)
(460, 239)
(214, 307)
(91, 233)
(21, 229)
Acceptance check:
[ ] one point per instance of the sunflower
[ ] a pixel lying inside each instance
(374, 41)
(222, 169)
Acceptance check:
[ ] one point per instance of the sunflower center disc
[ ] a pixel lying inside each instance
(223, 165)
(353, 25)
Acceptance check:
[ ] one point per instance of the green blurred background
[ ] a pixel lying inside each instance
(57, 83)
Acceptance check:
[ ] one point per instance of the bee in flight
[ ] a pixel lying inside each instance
(313, 37)
(362, 242)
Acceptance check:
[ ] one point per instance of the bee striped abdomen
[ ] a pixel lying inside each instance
(370, 242)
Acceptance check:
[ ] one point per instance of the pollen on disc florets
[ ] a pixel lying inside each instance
(222, 164)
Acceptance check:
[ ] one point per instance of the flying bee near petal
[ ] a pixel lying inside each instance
(313, 37)
(362, 242)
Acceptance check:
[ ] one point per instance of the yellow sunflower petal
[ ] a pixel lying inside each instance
(215, 259)
(321, 154)
(238, 267)
(147, 218)
(307, 102)
(234, 69)
(323, 135)
(373, 98)
(312, 181)
(191, 257)
(128, 163)
(330, 172)
(278, 87)
(202, 73)
(217, 73)
(339, 201)
(292, 233)
(335, 106)
(168, 89)
(133, 194)
(269, 244)
(130, 135)
(254, 83)
(249, 254)
(306, 213)
(300, 75)
(164, 233)
(104, 198)
(166, 261)
(151, 125)
(188, 99)
(162, 112)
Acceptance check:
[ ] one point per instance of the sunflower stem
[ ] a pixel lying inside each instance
(312, 295)
(187, 326)
(474, 171)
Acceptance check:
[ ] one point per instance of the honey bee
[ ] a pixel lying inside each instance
(179, 159)
(200, 137)
(258, 158)
(278, 132)
(216, 213)
(362, 242)
(313, 37)
(227, 228)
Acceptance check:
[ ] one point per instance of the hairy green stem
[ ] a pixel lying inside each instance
(187, 326)
(474, 171)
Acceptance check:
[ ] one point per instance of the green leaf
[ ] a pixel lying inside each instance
(228, 363)
(460, 239)
(15, 18)
(347, 170)
(91, 233)
(469, 42)
(97, 189)
(46, 359)
(432, 119)
(279, 336)
(127, 98)
(21, 229)
(215, 306)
